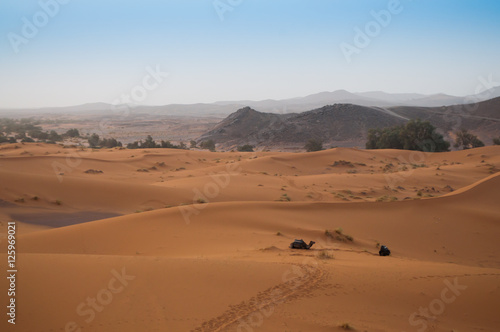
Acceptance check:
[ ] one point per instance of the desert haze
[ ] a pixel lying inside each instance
(185, 240)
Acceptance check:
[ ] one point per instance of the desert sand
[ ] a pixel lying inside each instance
(176, 240)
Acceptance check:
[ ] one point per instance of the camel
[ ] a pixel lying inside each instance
(300, 244)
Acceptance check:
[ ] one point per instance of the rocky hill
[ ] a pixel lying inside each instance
(339, 124)
(347, 124)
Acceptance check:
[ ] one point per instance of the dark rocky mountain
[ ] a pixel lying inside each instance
(339, 124)
(347, 124)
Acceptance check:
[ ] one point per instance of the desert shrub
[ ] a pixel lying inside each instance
(285, 198)
(208, 145)
(346, 326)
(466, 140)
(246, 148)
(313, 145)
(73, 132)
(342, 163)
(325, 255)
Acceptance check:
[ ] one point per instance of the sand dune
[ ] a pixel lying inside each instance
(212, 254)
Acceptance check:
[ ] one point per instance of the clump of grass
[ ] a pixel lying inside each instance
(285, 198)
(325, 255)
(144, 170)
(342, 163)
(419, 193)
(35, 198)
(201, 201)
(19, 200)
(386, 198)
(278, 233)
(339, 235)
(418, 165)
(346, 326)
(57, 202)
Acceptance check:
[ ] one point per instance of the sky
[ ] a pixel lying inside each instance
(157, 52)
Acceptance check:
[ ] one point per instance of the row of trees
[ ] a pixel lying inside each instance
(422, 136)
(149, 143)
(414, 135)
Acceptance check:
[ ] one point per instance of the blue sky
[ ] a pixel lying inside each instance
(95, 51)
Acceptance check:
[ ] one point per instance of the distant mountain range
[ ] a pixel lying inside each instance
(283, 106)
(347, 124)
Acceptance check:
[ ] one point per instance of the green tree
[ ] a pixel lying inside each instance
(192, 144)
(54, 136)
(167, 145)
(73, 132)
(149, 143)
(313, 145)
(109, 143)
(209, 145)
(246, 148)
(414, 135)
(496, 141)
(466, 140)
(94, 141)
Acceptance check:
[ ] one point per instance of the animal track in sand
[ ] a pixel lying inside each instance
(308, 277)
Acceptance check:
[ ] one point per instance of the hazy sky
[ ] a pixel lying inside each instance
(85, 51)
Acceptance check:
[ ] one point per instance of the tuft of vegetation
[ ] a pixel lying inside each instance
(466, 140)
(313, 145)
(414, 135)
(346, 326)
(93, 171)
(386, 198)
(339, 235)
(496, 141)
(325, 255)
(201, 201)
(342, 163)
(57, 202)
(278, 233)
(19, 200)
(285, 198)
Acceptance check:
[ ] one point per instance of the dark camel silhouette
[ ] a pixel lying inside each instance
(300, 244)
